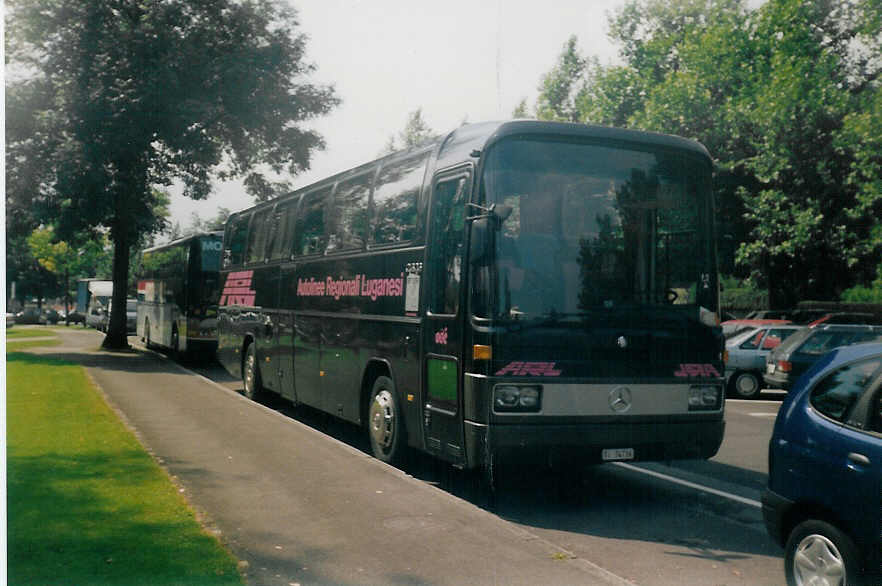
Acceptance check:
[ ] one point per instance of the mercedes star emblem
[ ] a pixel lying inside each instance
(620, 399)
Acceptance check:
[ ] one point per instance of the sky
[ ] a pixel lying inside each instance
(457, 60)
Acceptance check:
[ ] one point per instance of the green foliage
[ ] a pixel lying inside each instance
(86, 504)
(786, 97)
(521, 110)
(557, 97)
(863, 294)
(415, 132)
(115, 98)
(740, 296)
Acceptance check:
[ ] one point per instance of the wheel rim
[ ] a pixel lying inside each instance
(746, 385)
(818, 562)
(249, 374)
(382, 418)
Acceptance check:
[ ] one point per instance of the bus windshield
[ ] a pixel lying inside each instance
(596, 226)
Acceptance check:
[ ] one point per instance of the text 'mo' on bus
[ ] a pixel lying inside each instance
(512, 287)
(178, 290)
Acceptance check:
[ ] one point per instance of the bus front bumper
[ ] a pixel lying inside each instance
(596, 442)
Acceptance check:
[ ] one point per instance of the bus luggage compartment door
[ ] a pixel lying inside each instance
(442, 415)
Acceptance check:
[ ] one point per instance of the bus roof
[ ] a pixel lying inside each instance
(469, 141)
(183, 240)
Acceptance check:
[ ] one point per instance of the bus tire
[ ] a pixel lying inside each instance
(385, 422)
(175, 344)
(252, 384)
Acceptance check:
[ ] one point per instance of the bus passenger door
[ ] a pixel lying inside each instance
(443, 331)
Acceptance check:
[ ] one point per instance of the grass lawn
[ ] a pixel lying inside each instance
(86, 503)
(14, 333)
(21, 339)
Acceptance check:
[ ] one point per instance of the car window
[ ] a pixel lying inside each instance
(775, 337)
(835, 395)
(876, 423)
(821, 342)
(753, 342)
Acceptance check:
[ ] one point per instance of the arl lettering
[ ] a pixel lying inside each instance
(529, 369)
(697, 371)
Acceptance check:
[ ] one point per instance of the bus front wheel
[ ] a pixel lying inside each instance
(251, 374)
(385, 422)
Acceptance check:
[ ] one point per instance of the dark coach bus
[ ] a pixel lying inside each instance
(178, 289)
(512, 287)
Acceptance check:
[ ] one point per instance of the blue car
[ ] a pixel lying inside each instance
(823, 503)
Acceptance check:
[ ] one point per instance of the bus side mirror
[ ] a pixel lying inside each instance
(500, 213)
(483, 228)
(479, 244)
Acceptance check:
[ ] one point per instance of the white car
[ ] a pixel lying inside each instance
(747, 358)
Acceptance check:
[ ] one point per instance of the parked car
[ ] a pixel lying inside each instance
(844, 317)
(75, 317)
(131, 315)
(734, 327)
(49, 317)
(770, 314)
(96, 317)
(747, 358)
(10, 319)
(825, 471)
(795, 355)
(806, 316)
(28, 315)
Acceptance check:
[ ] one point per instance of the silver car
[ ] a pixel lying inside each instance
(747, 358)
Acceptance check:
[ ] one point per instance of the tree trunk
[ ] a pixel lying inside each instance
(117, 337)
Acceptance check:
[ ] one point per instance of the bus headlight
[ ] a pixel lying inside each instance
(704, 397)
(516, 398)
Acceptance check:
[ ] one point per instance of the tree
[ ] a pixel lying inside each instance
(521, 110)
(82, 258)
(557, 93)
(786, 98)
(121, 96)
(415, 132)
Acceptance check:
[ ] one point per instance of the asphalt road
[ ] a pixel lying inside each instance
(297, 498)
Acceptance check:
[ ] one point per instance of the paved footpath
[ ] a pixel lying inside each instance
(299, 507)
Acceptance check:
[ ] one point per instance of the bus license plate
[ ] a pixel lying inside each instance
(615, 454)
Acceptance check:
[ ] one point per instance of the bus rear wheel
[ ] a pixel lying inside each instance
(385, 422)
(175, 344)
(251, 374)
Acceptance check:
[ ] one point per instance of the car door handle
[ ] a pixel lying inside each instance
(858, 459)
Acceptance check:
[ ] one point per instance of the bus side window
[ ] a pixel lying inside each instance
(257, 236)
(310, 234)
(394, 217)
(448, 229)
(282, 232)
(237, 234)
(350, 213)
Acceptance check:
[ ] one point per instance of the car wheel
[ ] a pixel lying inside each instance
(385, 422)
(819, 553)
(251, 374)
(744, 385)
